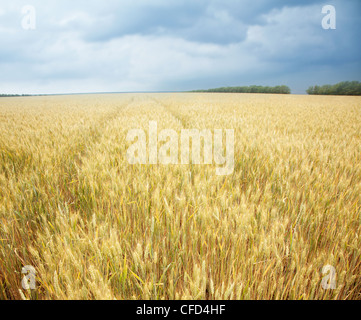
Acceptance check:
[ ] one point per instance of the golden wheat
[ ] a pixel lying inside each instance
(95, 227)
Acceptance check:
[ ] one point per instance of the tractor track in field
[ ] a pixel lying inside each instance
(185, 121)
(56, 193)
(79, 152)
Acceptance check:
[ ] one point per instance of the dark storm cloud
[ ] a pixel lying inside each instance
(176, 45)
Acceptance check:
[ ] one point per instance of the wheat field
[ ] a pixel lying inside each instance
(94, 226)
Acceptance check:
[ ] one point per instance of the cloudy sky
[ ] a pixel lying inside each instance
(167, 45)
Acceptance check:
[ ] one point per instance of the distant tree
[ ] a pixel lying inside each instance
(310, 90)
(251, 89)
(13, 95)
(342, 88)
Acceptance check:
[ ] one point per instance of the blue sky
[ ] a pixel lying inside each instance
(166, 45)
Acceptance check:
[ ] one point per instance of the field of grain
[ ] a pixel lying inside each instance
(94, 226)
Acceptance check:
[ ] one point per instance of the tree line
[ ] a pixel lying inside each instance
(350, 88)
(250, 89)
(14, 95)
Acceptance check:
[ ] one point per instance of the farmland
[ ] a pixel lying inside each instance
(94, 226)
